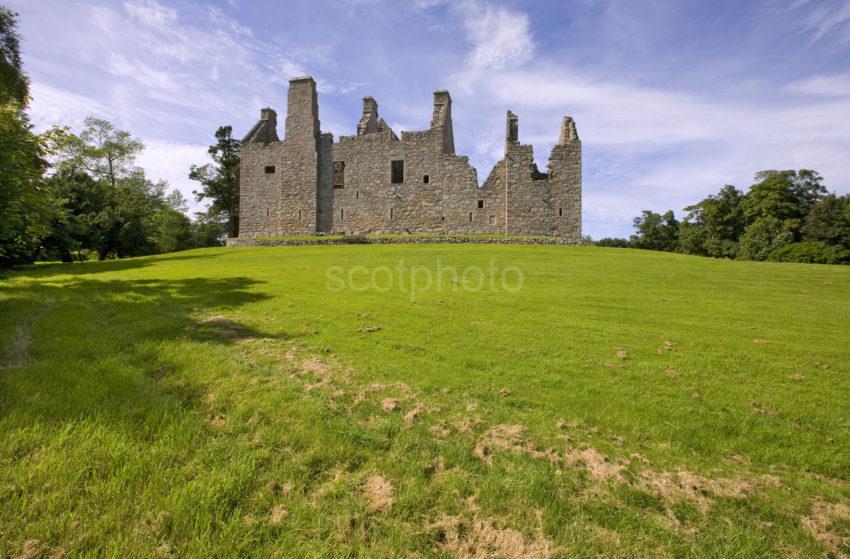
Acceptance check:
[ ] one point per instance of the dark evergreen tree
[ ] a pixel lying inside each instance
(220, 180)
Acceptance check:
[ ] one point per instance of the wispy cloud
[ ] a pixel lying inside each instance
(500, 38)
(826, 20)
(827, 86)
(150, 12)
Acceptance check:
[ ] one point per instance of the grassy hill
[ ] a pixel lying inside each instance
(253, 403)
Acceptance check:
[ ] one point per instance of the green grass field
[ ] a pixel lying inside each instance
(242, 403)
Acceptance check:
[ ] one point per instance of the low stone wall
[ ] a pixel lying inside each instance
(360, 240)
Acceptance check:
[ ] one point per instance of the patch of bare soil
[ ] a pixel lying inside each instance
(759, 409)
(685, 486)
(389, 404)
(379, 492)
(278, 514)
(467, 424)
(486, 539)
(402, 389)
(600, 467)
(622, 354)
(413, 413)
(435, 466)
(769, 480)
(277, 353)
(315, 366)
(218, 420)
(510, 438)
(360, 396)
(819, 525)
(318, 374)
(440, 430)
(32, 550)
(666, 346)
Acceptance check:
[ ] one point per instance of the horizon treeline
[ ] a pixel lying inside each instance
(785, 216)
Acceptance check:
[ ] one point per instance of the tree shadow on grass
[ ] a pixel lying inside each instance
(99, 267)
(111, 350)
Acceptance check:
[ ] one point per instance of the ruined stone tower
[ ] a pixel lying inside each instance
(376, 182)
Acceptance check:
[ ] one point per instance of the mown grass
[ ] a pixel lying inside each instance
(236, 403)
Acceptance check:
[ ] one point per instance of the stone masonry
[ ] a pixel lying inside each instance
(376, 182)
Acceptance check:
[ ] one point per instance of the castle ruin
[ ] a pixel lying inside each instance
(374, 182)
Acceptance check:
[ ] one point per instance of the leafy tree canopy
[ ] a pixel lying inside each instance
(102, 151)
(14, 85)
(714, 224)
(25, 205)
(785, 195)
(656, 231)
(829, 221)
(763, 236)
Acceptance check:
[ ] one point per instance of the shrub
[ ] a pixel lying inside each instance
(811, 252)
(613, 242)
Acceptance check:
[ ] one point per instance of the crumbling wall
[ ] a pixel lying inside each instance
(543, 203)
(439, 192)
(321, 186)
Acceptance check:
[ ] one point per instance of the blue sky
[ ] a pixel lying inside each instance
(672, 99)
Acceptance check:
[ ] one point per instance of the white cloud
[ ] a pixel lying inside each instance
(828, 86)
(171, 161)
(140, 72)
(52, 106)
(150, 12)
(500, 38)
(426, 4)
(648, 148)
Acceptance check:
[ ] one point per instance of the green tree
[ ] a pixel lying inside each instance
(25, 206)
(110, 207)
(14, 85)
(102, 151)
(763, 236)
(656, 231)
(220, 180)
(829, 221)
(714, 224)
(173, 230)
(208, 231)
(787, 196)
(81, 199)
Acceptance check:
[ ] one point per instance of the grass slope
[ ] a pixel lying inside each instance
(227, 403)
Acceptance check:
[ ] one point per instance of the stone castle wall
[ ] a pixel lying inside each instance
(307, 184)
